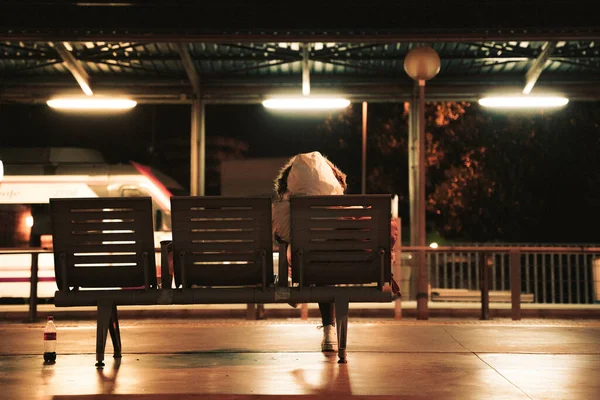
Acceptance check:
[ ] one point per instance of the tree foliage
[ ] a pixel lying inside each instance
(519, 176)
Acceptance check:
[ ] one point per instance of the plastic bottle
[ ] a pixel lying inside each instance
(50, 341)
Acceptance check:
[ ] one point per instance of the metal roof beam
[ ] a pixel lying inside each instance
(74, 67)
(356, 92)
(190, 67)
(538, 65)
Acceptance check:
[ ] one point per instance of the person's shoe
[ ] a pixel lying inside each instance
(329, 342)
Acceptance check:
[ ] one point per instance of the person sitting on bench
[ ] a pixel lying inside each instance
(310, 174)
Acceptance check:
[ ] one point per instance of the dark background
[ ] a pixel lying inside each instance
(557, 174)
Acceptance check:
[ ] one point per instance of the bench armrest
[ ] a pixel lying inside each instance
(166, 264)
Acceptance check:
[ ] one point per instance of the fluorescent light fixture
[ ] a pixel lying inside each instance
(91, 103)
(523, 101)
(306, 103)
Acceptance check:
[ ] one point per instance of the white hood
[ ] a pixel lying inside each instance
(310, 175)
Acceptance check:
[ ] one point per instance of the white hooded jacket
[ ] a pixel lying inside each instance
(310, 175)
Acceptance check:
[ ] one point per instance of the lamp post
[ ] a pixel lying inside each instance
(421, 64)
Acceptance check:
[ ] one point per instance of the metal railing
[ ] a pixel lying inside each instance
(551, 278)
(552, 274)
(33, 279)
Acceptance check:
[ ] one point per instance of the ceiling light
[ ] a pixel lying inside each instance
(91, 103)
(524, 101)
(306, 103)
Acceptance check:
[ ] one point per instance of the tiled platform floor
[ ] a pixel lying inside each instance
(238, 359)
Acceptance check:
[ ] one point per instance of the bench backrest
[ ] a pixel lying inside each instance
(222, 241)
(103, 242)
(341, 239)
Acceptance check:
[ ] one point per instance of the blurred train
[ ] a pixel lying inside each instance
(31, 176)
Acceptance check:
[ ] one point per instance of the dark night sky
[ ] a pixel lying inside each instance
(146, 134)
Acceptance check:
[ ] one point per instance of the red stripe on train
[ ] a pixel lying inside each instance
(16, 280)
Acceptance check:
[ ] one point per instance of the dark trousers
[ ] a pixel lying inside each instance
(327, 313)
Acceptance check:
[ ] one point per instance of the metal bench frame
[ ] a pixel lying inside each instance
(190, 240)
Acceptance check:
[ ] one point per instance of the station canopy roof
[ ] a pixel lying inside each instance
(159, 51)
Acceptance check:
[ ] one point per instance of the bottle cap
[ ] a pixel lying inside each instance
(50, 318)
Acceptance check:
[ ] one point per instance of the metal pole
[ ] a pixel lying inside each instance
(364, 148)
(33, 290)
(421, 165)
(422, 282)
(484, 286)
(197, 149)
(515, 284)
(413, 186)
(412, 168)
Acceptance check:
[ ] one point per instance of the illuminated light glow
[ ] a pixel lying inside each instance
(524, 101)
(433, 245)
(157, 194)
(305, 88)
(306, 103)
(94, 103)
(156, 187)
(29, 221)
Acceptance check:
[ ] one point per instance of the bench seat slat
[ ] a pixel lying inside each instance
(341, 213)
(105, 259)
(338, 256)
(222, 257)
(218, 224)
(343, 234)
(232, 246)
(99, 238)
(357, 245)
(221, 214)
(101, 226)
(103, 248)
(221, 235)
(80, 216)
(338, 223)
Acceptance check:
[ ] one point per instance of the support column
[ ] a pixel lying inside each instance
(364, 148)
(197, 149)
(420, 234)
(413, 168)
(421, 64)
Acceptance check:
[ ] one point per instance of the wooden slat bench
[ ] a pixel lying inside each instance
(222, 251)
(102, 243)
(338, 240)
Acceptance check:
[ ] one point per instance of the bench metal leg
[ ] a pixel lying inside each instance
(341, 322)
(115, 332)
(107, 322)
